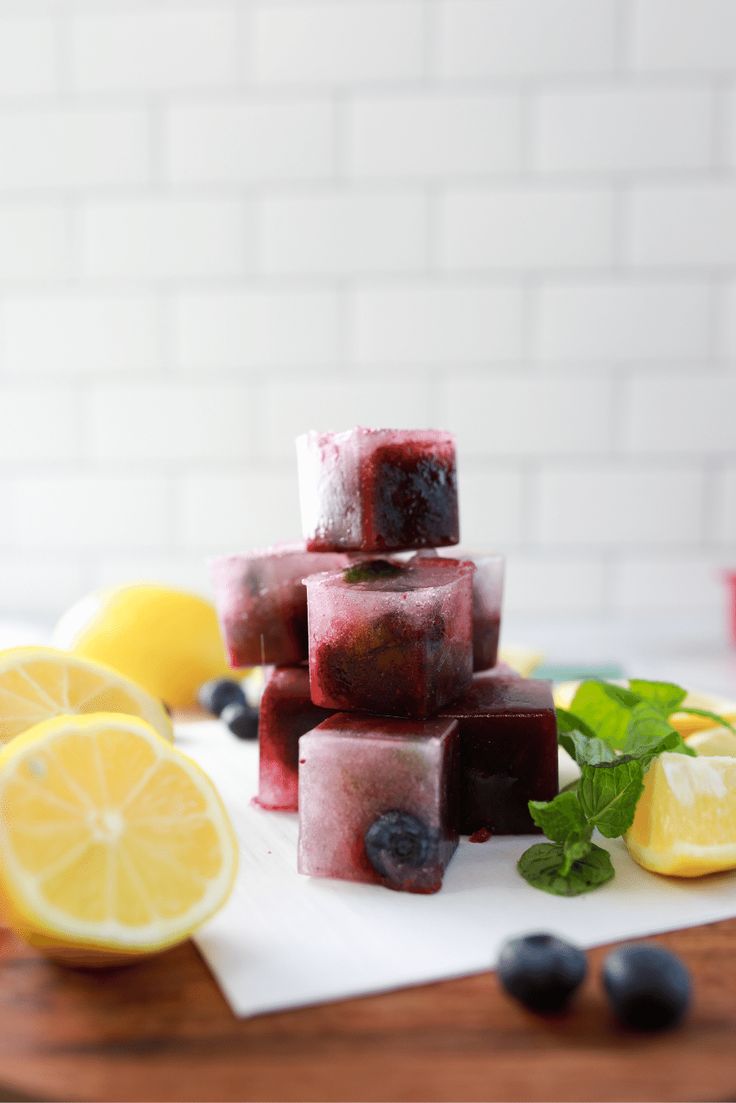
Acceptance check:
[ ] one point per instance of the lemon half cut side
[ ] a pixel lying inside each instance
(111, 840)
(38, 683)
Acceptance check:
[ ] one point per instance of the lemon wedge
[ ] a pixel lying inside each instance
(37, 683)
(166, 640)
(112, 843)
(715, 741)
(685, 822)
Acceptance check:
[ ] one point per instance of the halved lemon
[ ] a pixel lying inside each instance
(112, 843)
(685, 822)
(37, 683)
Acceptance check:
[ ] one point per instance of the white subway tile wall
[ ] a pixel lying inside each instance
(225, 221)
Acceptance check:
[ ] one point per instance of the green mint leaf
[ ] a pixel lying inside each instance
(586, 750)
(721, 721)
(605, 709)
(371, 569)
(569, 722)
(608, 794)
(665, 696)
(647, 729)
(560, 819)
(545, 867)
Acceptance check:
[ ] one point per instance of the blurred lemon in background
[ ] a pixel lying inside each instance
(167, 640)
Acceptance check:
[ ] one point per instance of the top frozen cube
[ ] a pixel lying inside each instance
(378, 489)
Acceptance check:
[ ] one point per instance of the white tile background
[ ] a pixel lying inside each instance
(223, 221)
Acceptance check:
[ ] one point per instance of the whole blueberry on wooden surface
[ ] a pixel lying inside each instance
(649, 987)
(541, 971)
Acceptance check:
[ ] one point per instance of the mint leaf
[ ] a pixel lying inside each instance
(608, 794)
(544, 867)
(585, 750)
(647, 730)
(721, 721)
(666, 696)
(560, 819)
(569, 722)
(371, 569)
(605, 709)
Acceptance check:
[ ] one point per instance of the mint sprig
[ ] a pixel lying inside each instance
(614, 734)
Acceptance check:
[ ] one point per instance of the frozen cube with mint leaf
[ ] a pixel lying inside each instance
(287, 713)
(377, 801)
(391, 638)
(262, 604)
(378, 490)
(508, 752)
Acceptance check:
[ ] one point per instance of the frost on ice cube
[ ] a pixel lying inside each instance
(287, 713)
(391, 638)
(262, 604)
(377, 801)
(508, 752)
(378, 489)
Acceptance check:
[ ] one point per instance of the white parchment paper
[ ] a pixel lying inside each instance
(286, 941)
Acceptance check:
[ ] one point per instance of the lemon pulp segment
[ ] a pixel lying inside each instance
(37, 683)
(109, 836)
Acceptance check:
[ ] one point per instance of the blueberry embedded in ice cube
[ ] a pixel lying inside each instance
(377, 801)
(397, 842)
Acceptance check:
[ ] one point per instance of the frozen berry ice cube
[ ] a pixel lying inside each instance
(378, 489)
(377, 801)
(508, 752)
(487, 601)
(287, 713)
(391, 638)
(262, 604)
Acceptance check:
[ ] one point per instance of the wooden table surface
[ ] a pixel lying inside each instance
(160, 1030)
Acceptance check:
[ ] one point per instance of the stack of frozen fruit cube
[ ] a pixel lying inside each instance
(386, 722)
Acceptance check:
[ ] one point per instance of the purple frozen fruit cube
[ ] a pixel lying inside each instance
(287, 713)
(508, 752)
(377, 801)
(391, 638)
(262, 604)
(487, 601)
(378, 489)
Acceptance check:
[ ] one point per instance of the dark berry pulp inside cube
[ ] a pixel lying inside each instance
(409, 497)
(392, 666)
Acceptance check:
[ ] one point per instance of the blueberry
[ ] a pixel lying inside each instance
(541, 971)
(397, 843)
(242, 720)
(649, 987)
(214, 696)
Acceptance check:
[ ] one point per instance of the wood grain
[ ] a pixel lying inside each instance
(161, 1030)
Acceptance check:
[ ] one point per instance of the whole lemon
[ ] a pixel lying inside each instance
(167, 640)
